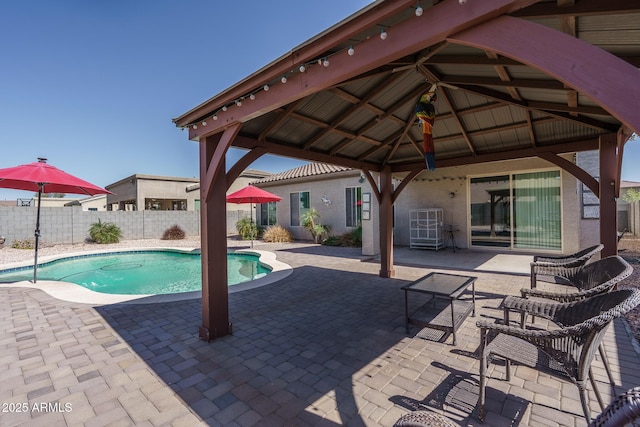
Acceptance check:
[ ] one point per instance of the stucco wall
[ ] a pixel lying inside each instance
(332, 186)
(432, 190)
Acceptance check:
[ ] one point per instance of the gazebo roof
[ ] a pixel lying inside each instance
(507, 87)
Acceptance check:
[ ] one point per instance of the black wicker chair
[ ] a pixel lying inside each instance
(595, 278)
(555, 268)
(568, 351)
(622, 411)
(592, 279)
(424, 419)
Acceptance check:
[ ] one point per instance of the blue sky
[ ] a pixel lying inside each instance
(93, 86)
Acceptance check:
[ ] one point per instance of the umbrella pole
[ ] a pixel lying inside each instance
(251, 223)
(37, 234)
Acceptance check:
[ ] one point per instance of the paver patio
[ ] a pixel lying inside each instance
(325, 346)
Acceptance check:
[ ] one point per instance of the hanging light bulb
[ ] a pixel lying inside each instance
(238, 102)
(351, 51)
(283, 79)
(224, 108)
(195, 126)
(462, 1)
(383, 34)
(215, 117)
(265, 88)
(302, 68)
(325, 63)
(252, 97)
(419, 10)
(204, 123)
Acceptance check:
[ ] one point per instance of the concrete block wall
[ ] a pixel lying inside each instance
(71, 224)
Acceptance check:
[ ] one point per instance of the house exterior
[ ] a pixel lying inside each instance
(336, 192)
(95, 203)
(152, 192)
(519, 205)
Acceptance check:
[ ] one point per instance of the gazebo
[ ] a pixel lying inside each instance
(516, 79)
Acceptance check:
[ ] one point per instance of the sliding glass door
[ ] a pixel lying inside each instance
(520, 211)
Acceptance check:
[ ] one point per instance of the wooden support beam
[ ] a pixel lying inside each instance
(386, 223)
(608, 206)
(213, 214)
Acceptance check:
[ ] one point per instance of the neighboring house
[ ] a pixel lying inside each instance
(520, 205)
(151, 192)
(93, 203)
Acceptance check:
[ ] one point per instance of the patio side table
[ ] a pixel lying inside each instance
(441, 286)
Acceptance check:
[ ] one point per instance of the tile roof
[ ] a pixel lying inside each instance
(311, 169)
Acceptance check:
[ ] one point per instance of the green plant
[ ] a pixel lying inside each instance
(105, 232)
(247, 229)
(631, 195)
(351, 238)
(277, 234)
(310, 221)
(173, 233)
(24, 244)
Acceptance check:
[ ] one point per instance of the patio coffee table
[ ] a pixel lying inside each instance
(441, 286)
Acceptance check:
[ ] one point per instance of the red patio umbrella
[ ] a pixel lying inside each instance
(42, 177)
(251, 194)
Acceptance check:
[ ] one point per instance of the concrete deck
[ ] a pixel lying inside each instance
(326, 346)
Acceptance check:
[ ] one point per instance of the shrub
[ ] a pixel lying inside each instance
(173, 233)
(277, 234)
(105, 232)
(247, 229)
(24, 244)
(351, 238)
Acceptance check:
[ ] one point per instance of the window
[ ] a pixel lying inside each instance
(353, 205)
(517, 211)
(268, 213)
(299, 205)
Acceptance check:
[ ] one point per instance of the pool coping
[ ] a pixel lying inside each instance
(71, 292)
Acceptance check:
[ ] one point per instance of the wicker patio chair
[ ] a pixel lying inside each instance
(595, 278)
(592, 279)
(555, 268)
(623, 410)
(424, 419)
(568, 351)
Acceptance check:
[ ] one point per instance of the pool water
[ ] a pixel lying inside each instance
(138, 273)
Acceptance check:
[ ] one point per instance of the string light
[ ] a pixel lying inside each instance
(462, 1)
(302, 68)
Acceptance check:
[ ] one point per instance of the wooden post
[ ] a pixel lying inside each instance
(386, 224)
(213, 235)
(608, 206)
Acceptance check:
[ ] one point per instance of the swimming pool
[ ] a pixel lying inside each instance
(138, 272)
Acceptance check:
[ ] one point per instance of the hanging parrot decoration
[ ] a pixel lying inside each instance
(426, 114)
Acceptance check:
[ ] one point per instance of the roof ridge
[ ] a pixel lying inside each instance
(309, 169)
